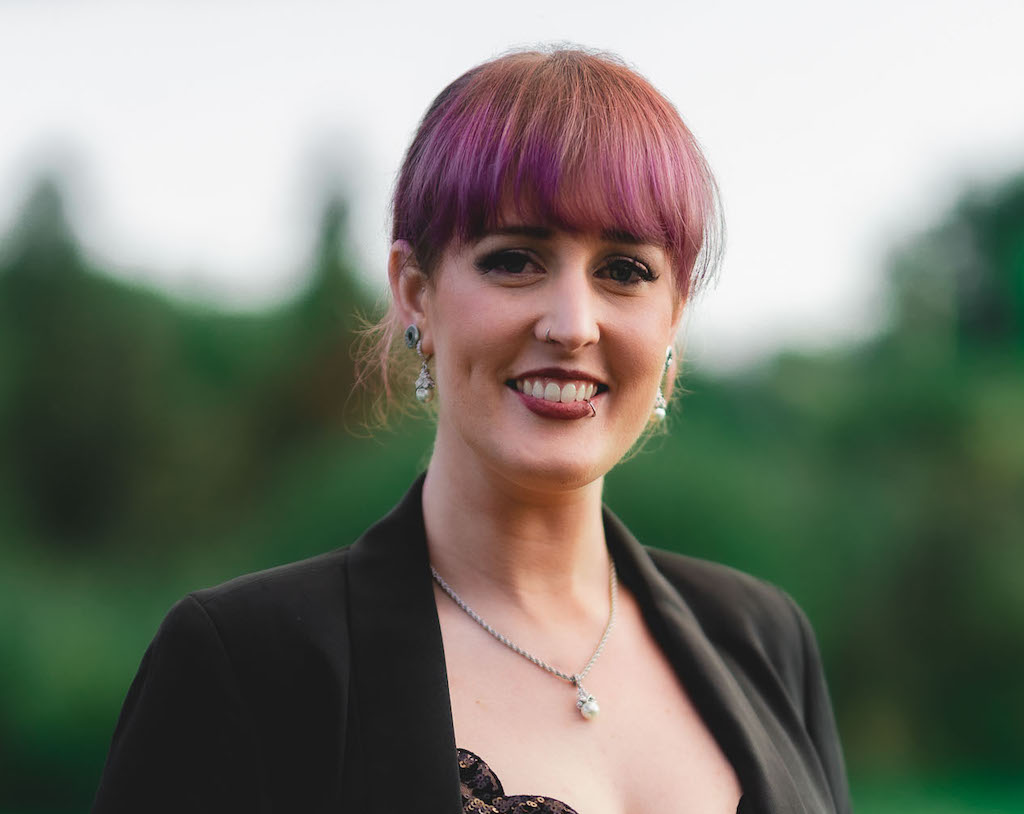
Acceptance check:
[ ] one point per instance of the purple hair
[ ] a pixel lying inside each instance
(574, 139)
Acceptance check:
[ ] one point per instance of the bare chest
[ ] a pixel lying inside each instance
(647, 750)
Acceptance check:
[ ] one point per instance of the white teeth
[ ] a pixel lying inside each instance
(555, 391)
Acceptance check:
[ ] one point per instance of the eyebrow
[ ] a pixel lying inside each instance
(545, 233)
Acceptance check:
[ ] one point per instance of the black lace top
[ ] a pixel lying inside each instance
(482, 792)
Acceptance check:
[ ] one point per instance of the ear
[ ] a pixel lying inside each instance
(409, 289)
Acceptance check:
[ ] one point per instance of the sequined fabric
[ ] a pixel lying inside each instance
(482, 792)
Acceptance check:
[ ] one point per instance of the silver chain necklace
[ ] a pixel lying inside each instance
(585, 702)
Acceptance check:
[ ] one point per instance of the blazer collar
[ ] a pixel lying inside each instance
(767, 783)
(400, 684)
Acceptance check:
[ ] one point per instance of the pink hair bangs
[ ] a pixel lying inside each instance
(568, 139)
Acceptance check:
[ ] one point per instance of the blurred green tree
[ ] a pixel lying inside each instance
(128, 415)
(960, 285)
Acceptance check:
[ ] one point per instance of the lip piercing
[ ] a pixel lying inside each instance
(593, 409)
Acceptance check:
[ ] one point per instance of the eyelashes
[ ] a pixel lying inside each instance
(623, 269)
(626, 271)
(508, 261)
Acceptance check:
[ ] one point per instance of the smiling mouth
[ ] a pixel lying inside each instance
(556, 390)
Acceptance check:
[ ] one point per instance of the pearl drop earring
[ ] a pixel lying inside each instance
(424, 382)
(660, 404)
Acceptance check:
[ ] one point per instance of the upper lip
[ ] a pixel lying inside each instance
(559, 373)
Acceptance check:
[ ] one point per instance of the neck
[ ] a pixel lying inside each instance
(496, 540)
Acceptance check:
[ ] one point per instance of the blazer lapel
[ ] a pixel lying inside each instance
(400, 686)
(767, 784)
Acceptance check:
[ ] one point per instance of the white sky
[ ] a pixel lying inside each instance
(197, 136)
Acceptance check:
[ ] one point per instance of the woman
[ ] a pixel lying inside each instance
(552, 216)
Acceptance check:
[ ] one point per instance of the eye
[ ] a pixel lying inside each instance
(506, 261)
(627, 271)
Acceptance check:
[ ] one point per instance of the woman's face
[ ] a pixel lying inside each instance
(525, 324)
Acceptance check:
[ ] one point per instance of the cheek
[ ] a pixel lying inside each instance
(646, 348)
(646, 379)
(474, 335)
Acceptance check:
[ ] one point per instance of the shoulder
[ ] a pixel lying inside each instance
(744, 616)
(248, 673)
(286, 589)
(728, 596)
(302, 610)
(291, 616)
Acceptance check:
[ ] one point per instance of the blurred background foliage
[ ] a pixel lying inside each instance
(152, 446)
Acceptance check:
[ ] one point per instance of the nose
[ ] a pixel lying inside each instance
(570, 317)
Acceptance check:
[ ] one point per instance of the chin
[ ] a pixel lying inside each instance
(551, 480)
(554, 471)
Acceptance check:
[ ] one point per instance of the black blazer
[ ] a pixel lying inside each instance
(321, 686)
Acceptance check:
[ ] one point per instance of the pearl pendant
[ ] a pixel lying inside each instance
(589, 709)
(586, 704)
(424, 385)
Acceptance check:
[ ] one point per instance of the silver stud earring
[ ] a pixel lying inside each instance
(660, 404)
(424, 382)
